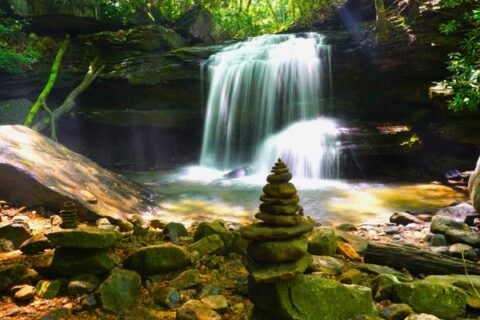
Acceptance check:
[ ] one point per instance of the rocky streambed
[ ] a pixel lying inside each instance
(417, 266)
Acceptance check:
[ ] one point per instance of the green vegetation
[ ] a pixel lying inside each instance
(464, 65)
(239, 18)
(18, 51)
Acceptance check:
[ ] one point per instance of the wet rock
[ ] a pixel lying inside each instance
(23, 292)
(216, 302)
(306, 297)
(83, 238)
(196, 310)
(218, 227)
(396, 311)
(358, 243)
(82, 284)
(327, 265)
(11, 274)
(48, 289)
(165, 296)
(438, 240)
(72, 261)
(433, 297)
(404, 218)
(262, 231)
(352, 276)
(6, 245)
(187, 279)
(208, 245)
(460, 250)
(278, 251)
(36, 244)
(322, 242)
(45, 173)
(267, 272)
(462, 212)
(15, 232)
(175, 230)
(474, 187)
(158, 258)
(454, 231)
(120, 291)
(469, 284)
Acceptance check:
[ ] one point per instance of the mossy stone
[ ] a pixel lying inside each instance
(279, 177)
(228, 237)
(280, 190)
(264, 232)
(279, 209)
(306, 297)
(208, 245)
(268, 272)
(282, 202)
(322, 241)
(396, 311)
(48, 289)
(120, 291)
(83, 238)
(278, 220)
(278, 251)
(11, 274)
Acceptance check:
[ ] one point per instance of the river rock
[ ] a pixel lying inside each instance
(216, 302)
(352, 276)
(433, 297)
(15, 232)
(23, 292)
(120, 291)
(187, 279)
(48, 289)
(396, 311)
(268, 272)
(404, 218)
(262, 231)
(83, 238)
(322, 241)
(306, 297)
(326, 264)
(279, 220)
(281, 190)
(36, 244)
(218, 227)
(461, 212)
(11, 274)
(474, 187)
(175, 230)
(165, 296)
(82, 284)
(438, 240)
(158, 259)
(73, 261)
(278, 251)
(454, 231)
(196, 310)
(208, 245)
(358, 243)
(36, 171)
(279, 209)
(460, 250)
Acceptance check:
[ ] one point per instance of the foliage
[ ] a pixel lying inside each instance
(238, 18)
(18, 51)
(464, 65)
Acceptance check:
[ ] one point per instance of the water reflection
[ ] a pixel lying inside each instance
(196, 194)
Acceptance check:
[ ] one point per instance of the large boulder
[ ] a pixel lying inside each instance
(58, 16)
(474, 187)
(36, 171)
(306, 297)
(198, 24)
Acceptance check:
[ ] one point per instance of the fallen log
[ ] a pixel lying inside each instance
(417, 261)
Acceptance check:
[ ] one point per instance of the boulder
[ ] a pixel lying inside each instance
(462, 212)
(196, 310)
(11, 274)
(17, 233)
(198, 25)
(120, 291)
(83, 238)
(460, 250)
(454, 231)
(322, 242)
(218, 227)
(59, 16)
(208, 245)
(73, 261)
(187, 279)
(175, 230)
(36, 171)
(48, 289)
(158, 258)
(474, 187)
(306, 297)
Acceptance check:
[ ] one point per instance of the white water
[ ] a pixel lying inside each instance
(259, 87)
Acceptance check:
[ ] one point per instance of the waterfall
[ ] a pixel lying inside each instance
(258, 88)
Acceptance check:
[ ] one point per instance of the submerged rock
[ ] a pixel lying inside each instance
(120, 291)
(36, 171)
(306, 297)
(158, 258)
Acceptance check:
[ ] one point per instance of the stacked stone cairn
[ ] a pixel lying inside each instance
(278, 248)
(69, 214)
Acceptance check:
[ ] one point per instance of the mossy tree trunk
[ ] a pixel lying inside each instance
(383, 27)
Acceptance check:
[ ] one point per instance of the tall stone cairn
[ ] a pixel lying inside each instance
(278, 247)
(69, 214)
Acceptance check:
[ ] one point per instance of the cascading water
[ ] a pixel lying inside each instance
(258, 88)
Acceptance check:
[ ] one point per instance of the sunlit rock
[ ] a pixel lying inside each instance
(36, 171)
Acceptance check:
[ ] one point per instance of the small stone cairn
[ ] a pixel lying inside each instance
(69, 214)
(278, 250)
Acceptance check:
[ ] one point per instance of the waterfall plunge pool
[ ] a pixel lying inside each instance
(194, 194)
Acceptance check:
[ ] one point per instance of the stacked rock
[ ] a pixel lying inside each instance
(278, 250)
(69, 215)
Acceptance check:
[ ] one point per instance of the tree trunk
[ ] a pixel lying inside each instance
(417, 261)
(50, 83)
(69, 103)
(382, 21)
